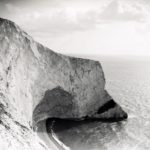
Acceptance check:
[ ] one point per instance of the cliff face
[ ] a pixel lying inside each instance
(37, 83)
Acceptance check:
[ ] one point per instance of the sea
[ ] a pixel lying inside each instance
(128, 82)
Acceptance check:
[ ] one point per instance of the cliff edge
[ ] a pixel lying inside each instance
(37, 83)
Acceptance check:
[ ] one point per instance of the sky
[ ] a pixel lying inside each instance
(84, 27)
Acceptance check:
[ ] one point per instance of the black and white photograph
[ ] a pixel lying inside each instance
(74, 74)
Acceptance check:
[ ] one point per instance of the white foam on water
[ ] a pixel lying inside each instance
(132, 116)
(57, 139)
(59, 142)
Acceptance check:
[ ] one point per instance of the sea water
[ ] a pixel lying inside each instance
(128, 82)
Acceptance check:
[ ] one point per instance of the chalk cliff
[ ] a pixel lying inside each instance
(37, 83)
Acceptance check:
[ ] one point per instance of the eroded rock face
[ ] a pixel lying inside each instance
(56, 103)
(40, 83)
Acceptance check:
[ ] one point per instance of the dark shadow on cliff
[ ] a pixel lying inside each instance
(65, 124)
